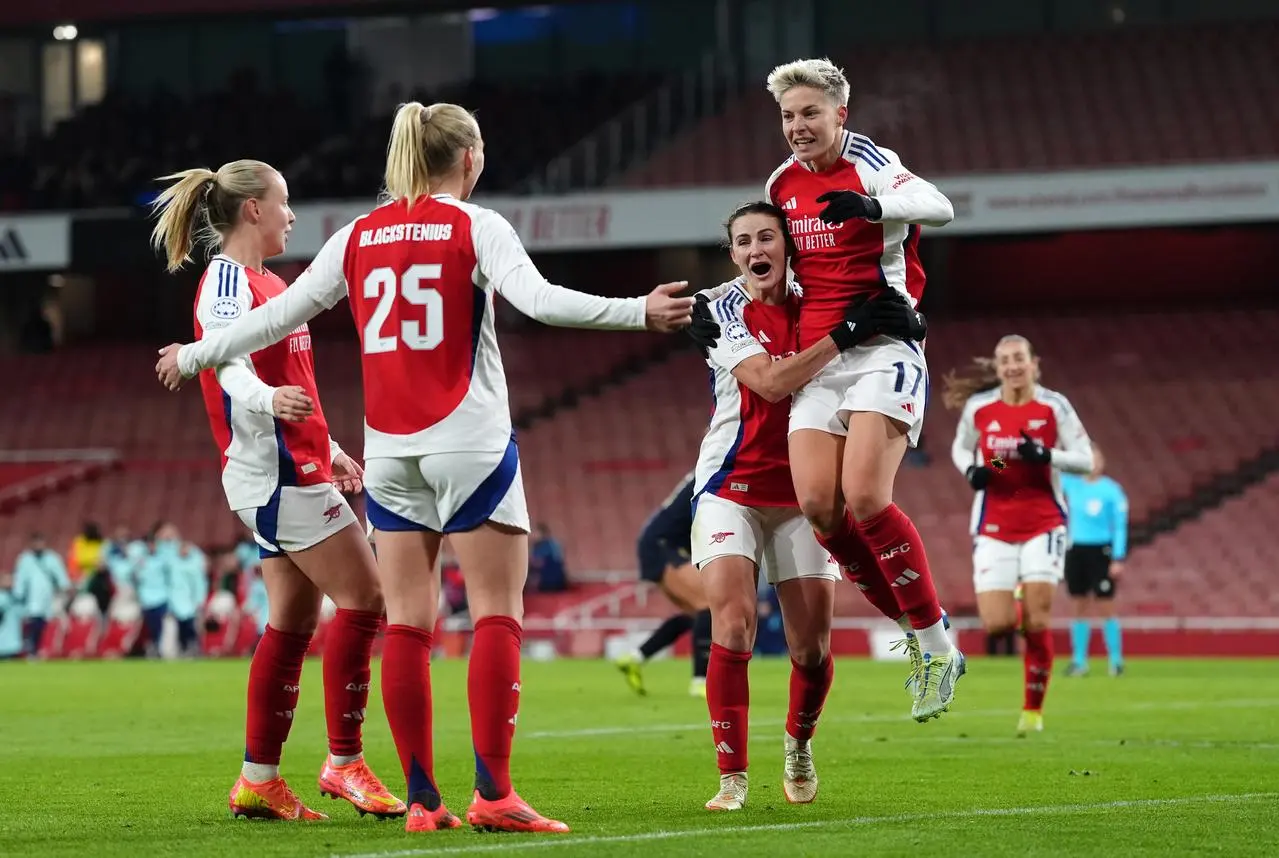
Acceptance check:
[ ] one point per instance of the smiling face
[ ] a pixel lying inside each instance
(1016, 364)
(811, 123)
(758, 248)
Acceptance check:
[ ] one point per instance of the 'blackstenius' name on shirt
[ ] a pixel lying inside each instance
(406, 232)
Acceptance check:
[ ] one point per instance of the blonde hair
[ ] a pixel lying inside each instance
(820, 74)
(425, 142)
(981, 375)
(202, 206)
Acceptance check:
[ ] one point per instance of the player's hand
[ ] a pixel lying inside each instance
(704, 331)
(978, 477)
(663, 312)
(166, 368)
(348, 476)
(846, 205)
(889, 314)
(291, 403)
(1032, 451)
(1116, 569)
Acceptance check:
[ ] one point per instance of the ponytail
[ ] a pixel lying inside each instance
(980, 376)
(183, 208)
(202, 206)
(425, 141)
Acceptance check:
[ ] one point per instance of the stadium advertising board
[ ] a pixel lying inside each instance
(994, 204)
(35, 242)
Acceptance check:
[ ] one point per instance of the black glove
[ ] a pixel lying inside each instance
(888, 314)
(846, 205)
(978, 476)
(1032, 451)
(703, 330)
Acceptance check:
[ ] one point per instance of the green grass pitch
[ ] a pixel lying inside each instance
(1176, 757)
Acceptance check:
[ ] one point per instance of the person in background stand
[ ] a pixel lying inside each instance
(11, 643)
(39, 580)
(188, 590)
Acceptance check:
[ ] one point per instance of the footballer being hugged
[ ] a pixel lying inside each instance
(1014, 439)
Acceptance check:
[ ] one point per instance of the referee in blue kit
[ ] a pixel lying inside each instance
(1097, 519)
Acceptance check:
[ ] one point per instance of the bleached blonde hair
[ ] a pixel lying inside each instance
(425, 142)
(820, 74)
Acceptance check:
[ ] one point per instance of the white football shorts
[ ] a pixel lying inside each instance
(446, 492)
(297, 518)
(777, 539)
(885, 375)
(1002, 565)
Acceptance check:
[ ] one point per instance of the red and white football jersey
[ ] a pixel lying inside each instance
(421, 281)
(744, 456)
(259, 451)
(836, 262)
(1022, 500)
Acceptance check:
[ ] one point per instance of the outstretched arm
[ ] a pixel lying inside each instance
(318, 288)
(504, 263)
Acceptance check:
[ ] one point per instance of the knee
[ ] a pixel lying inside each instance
(810, 652)
(361, 594)
(1000, 623)
(865, 502)
(822, 514)
(295, 619)
(1037, 621)
(733, 626)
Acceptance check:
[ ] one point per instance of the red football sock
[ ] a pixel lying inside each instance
(1038, 663)
(808, 689)
(406, 695)
(861, 567)
(347, 650)
(493, 690)
(728, 697)
(895, 541)
(274, 677)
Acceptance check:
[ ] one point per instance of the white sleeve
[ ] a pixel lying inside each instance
(504, 263)
(1073, 452)
(321, 286)
(334, 449)
(715, 292)
(903, 196)
(736, 343)
(963, 451)
(242, 384)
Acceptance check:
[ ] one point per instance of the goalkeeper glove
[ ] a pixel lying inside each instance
(1032, 451)
(703, 330)
(887, 314)
(846, 205)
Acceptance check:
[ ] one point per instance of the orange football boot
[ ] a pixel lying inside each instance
(510, 814)
(421, 819)
(269, 800)
(356, 783)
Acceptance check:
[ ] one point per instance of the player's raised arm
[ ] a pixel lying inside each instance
(317, 289)
(902, 196)
(505, 263)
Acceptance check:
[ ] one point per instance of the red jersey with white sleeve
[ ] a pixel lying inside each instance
(1023, 500)
(421, 281)
(744, 456)
(836, 262)
(259, 452)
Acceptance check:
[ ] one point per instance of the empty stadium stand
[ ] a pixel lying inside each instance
(1128, 97)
